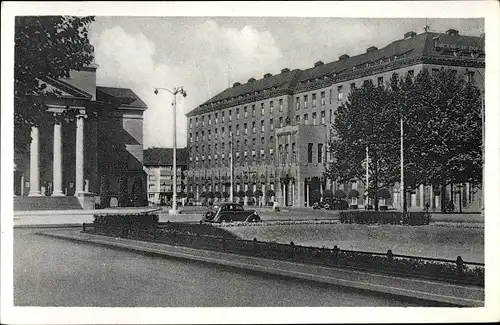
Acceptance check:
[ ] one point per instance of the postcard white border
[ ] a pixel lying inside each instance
(440, 9)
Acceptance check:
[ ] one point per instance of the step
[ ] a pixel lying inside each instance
(43, 203)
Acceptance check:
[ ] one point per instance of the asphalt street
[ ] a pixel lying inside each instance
(55, 272)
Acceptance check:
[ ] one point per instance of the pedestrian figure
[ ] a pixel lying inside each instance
(427, 205)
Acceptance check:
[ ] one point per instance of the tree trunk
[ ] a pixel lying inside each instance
(443, 196)
(375, 182)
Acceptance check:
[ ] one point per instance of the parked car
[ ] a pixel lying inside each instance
(227, 212)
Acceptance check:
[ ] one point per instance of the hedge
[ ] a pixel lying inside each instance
(385, 217)
(208, 237)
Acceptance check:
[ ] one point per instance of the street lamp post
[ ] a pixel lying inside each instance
(175, 91)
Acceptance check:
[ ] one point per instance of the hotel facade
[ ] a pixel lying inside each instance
(278, 127)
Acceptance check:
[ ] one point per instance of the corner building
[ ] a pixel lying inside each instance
(278, 127)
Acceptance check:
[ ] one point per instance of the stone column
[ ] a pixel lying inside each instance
(284, 194)
(422, 196)
(413, 200)
(307, 193)
(293, 193)
(57, 161)
(34, 168)
(79, 155)
(431, 197)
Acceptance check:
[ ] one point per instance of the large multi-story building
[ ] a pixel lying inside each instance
(158, 164)
(278, 127)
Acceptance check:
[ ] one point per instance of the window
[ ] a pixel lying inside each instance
(281, 104)
(331, 96)
(253, 127)
(314, 118)
(271, 106)
(203, 121)
(262, 126)
(271, 124)
(191, 137)
(411, 73)
(253, 110)
(209, 134)
(237, 113)
(237, 129)
(294, 158)
(314, 100)
(222, 116)
(280, 154)
(297, 119)
(320, 153)
(203, 135)
(469, 76)
(339, 92)
(286, 154)
(230, 131)
(245, 126)
(151, 195)
(309, 152)
(353, 86)
(209, 119)
(306, 98)
(380, 81)
(306, 119)
(323, 101)
(281, 122)
(245, 112)
(190, 123)
(262, 110)
(196, 121)
(216, 133)
(395, 75)
(216, 118)
(297, 103)
(222, 132)
(262, 141)
(323, 117)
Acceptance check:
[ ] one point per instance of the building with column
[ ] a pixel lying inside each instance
(99, 140)
(158, 165)
(278, 127)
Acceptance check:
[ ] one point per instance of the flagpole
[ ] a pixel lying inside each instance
(231, 168)
(402, 180)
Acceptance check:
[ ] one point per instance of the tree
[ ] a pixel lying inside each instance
(225, 194)
(217, 194)
(270, 193)
(123, 200)
(190, 195)
(137, 193)
(444, 130)
(241, 194)
(353, 194)
(258, 194)
(339, 194)
(249, 193)
(368, 120)
(46, 47)
(104, 192)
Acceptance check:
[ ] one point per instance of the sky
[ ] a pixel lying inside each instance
(206, 54)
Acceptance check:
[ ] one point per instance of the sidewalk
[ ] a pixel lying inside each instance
(434, 291)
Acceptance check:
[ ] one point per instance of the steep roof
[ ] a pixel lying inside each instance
(122, 96)
(428, 44)
(164, 156)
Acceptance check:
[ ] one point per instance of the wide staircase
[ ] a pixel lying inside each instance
(41, 203)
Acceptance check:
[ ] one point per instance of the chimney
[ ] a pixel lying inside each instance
(236, 84)
(452, 32)
(318, 63)
(371, 49)
(267, 75)
(285, 70)
(251, 80)
(410, 35)
(343, 57)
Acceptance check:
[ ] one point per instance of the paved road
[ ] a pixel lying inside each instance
(52, 272)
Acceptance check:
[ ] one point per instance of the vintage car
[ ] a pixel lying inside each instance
(227, 212)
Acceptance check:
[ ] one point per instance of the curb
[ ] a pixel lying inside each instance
(288, 269)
